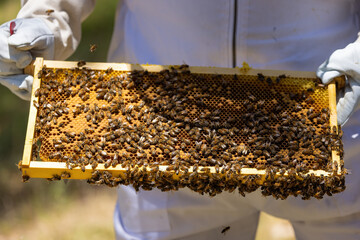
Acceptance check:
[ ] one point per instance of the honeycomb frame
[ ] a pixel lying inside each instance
(60, 170)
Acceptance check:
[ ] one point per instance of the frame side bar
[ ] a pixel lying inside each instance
(32, 115)
(333, 122)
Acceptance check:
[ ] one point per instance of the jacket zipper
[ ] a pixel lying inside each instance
(234, 35)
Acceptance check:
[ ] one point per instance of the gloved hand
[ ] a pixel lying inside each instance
(346, 62)
(28, 38)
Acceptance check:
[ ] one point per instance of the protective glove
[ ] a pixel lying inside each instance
(345, 62)
(29, 38)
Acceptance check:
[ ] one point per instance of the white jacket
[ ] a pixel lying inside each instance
(272, 34)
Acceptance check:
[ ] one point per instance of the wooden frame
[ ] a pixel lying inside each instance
(41, 169)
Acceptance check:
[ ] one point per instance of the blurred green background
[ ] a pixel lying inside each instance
(65, 210)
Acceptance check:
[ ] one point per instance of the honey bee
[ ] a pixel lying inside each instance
(313, 115)
(251, 97)
(81, 63)
(36, 104)
(93, 47)
(310, 90)
(82, 167)
(65, 175)
(49, 11)
(25, 178)
(260, 77)
(319, 195)
(85, 97)
(298, 107)
(183, 66)
(59, 146)
(269, 81)
(320, 85)
(278, 78)
(309, 100)
(107, 163)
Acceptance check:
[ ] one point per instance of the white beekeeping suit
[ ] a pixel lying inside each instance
(273, 34)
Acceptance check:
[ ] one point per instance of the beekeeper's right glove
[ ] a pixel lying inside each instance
(21, 40)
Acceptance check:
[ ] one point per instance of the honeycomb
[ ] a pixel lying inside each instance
(204, 128)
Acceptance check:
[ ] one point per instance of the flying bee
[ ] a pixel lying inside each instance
(93, 47)
(49, 11)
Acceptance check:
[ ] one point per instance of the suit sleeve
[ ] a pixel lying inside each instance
(65, 21)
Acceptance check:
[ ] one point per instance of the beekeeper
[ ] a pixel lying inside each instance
(273, 34)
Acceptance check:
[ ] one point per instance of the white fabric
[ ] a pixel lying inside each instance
(336, 228)
(272, 34)
(20, 85)
(188, 216)
(31, 38)
(153, 217)
(346, 62)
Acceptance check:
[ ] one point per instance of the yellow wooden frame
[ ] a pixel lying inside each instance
(41, 169)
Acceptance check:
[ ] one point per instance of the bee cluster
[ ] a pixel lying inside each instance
(204, 128)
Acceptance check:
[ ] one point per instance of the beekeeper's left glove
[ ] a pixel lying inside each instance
(21, 40)
(345, 62)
